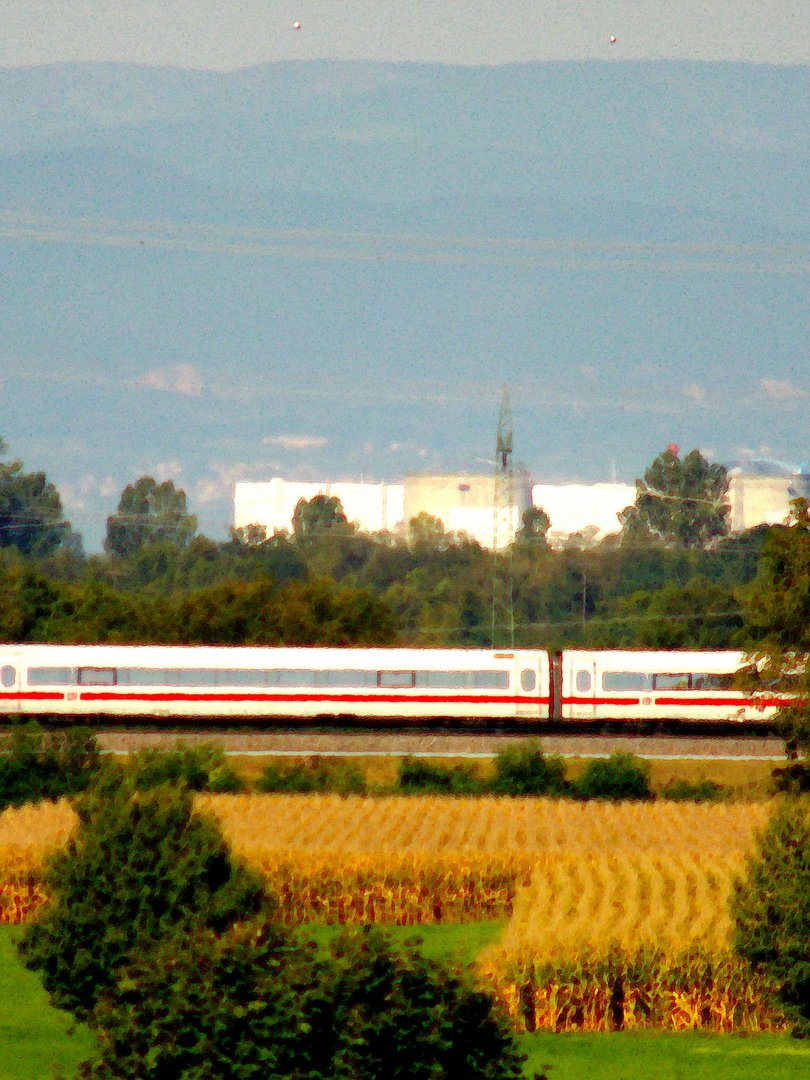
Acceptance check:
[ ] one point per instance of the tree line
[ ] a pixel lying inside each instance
(673, 577)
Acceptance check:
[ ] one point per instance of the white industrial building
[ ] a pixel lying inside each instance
(465, 503)
(591, 510)
(272, 503)
(762, 499)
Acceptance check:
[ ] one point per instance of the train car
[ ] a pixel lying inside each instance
(650, 686)
(223, 683)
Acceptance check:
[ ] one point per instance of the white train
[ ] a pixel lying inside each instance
(522, 685)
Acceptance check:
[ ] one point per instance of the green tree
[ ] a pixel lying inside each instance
(771, 909)
(255, 1004)
(398, 1016)
(141, 865)
(31, 515)
(532, 532)
(314, 517)
(682, 503)
(426, 535)
(777, 605)
(697, 615)
(204, 1006)
(149, 513)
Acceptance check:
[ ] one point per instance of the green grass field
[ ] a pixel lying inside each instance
(650, 1055)
(38, 1042)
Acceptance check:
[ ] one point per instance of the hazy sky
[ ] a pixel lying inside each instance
(226, 34)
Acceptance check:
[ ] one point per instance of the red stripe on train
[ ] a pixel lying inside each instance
(739, 702)
(33, 695)
(306, 698)
(600, 701)
(682, 699)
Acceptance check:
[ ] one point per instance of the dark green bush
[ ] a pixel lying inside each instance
(199, 768)
(694, 791)
(340, 777)
(207, 1007)
(140, 865)
(794, 779)
(252, 1005)
(419, 776)
(46, 764)
(771, 908)
(525, 770)
(621, 776)
(397, 1015)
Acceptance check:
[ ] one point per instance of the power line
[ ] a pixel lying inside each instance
(595, 620)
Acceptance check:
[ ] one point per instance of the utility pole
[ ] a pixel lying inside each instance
(502, 631)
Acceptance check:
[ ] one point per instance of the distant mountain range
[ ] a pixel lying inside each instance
(328, 269)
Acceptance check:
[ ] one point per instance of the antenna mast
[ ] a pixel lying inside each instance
(502, 632)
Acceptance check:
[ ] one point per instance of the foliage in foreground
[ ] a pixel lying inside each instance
(771, 909)
(198, 768)
(46, 764)
(417, 776)
(778, 613)
(526, 771)
(255, 1004)
(619, 777)
(140, 865)
(315, 775)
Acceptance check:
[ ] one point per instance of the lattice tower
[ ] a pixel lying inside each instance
(502, 631)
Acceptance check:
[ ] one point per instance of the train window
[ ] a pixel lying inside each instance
(8, 675)
(346, 678)
(96, 676)
(51, 676)
(141, 677)
(583, 681)
(702, 681)
(396, 679)
(241, 677)
(442, 680)
(491, 680)
(626, 680)
(193, 677)
(294, 677)
(671, 682)
(528, 679)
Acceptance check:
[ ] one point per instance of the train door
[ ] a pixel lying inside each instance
(532, 685)
(579, 688)
(10, 675)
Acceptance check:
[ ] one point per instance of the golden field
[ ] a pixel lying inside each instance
(602, 898)
(587, 873)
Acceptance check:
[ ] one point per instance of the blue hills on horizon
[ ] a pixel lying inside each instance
(362, 253)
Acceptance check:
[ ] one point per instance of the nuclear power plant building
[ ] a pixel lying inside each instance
(464, 503)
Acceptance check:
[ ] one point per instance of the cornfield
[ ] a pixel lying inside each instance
(28, 835)
(618, 913)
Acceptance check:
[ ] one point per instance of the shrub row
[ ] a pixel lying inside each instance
(46, 764)
(527, 771)
(519, 771)
(53, 764)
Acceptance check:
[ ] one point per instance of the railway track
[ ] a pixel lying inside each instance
(261, 742)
